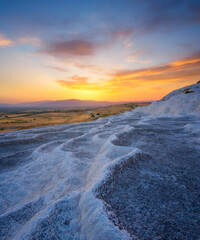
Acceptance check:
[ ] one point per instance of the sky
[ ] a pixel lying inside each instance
(114, 50)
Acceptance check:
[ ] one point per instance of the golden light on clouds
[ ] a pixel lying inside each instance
(60, 51)
(185, 61)
(132, 84)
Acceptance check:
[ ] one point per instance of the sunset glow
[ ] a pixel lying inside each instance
(97, 50)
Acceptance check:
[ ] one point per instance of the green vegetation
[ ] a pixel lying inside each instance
(187, 90)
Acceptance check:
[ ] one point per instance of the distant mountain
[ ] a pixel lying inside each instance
(69, 104)
(2, 105)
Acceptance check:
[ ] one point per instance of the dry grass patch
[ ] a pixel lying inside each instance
(10, 121)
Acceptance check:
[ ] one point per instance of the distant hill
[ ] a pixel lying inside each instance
(70, 103)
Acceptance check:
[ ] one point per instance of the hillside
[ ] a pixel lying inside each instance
(185, 100)
(18, 119)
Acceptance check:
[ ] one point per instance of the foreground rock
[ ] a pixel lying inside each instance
(129, 176)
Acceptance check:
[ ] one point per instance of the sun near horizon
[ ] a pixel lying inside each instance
(101, 50)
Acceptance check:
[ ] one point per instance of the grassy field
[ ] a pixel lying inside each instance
(18, 120)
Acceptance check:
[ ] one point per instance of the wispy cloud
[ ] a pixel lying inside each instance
(181, 70)
(135, 57)
(191, 63)
(77, 83)
(4, 41)
(60, 69)
(120, 33)
(164, 16)
(83, 84)
(75, 47)
(34, 41)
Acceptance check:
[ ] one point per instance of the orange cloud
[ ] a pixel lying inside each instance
(4, 42)
(174, 72)
(176, 68)
(185, 61)
(78, 83)
(82, 83)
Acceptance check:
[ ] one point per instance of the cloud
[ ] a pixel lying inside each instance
(121, 33)
(30, 40)
(60, 69)
(76, 47)
(92, 68)
(134, 57)
(128, 44)
(77, 83)
(5, 42)
(182, 70)
(164, 16)
(82, 83)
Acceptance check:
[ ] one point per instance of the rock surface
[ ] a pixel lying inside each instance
(128, 176)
